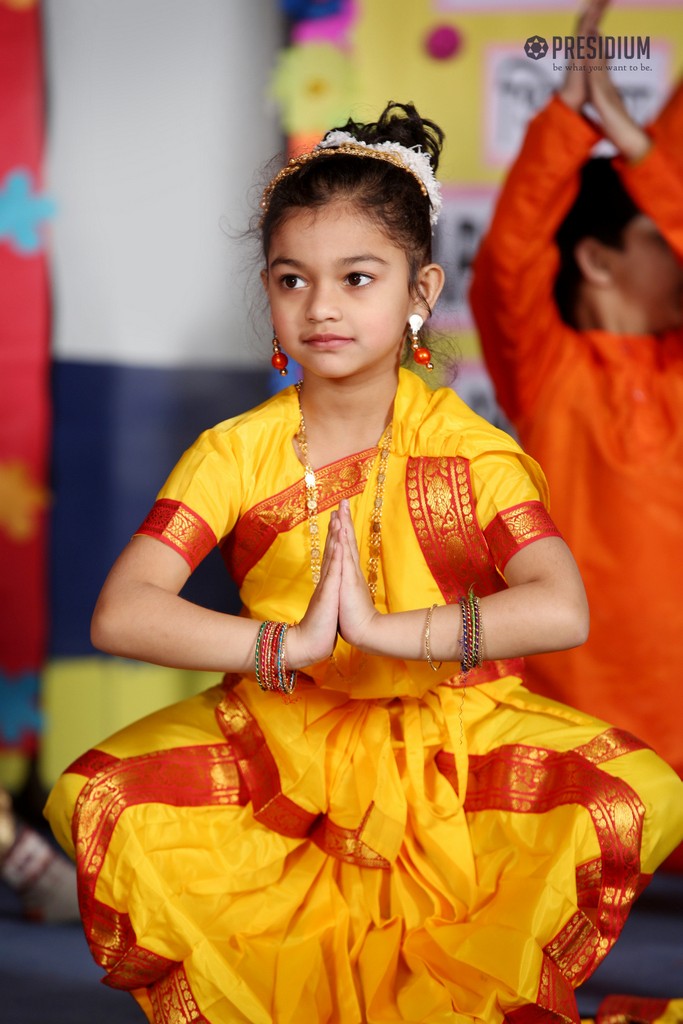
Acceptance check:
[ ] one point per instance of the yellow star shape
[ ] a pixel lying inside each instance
(21, 498)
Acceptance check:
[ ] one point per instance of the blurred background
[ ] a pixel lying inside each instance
(135, 137)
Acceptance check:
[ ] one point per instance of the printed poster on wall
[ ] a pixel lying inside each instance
(516, 88)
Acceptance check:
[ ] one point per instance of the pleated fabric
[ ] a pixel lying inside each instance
(396, 844)
(215, 896)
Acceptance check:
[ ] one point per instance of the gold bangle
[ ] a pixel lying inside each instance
(428, 646)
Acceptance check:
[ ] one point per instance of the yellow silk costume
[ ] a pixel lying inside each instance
(393, 845)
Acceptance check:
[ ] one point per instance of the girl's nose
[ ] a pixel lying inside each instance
(322, 304)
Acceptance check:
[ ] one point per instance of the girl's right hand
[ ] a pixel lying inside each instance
(314, 638)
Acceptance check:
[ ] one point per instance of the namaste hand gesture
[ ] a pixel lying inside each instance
(357, 613)
(591, 82)
(575, 90)
(341, 601)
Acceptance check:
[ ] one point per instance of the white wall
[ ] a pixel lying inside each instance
(158, 125)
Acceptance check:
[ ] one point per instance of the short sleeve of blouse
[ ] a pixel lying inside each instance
(198, 505)
(511, 498)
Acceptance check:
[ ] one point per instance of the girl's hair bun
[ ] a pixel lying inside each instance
(400, 122)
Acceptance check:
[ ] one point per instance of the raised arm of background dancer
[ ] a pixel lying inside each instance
(512, 293)
(649, 171)
(667, 128)
(617, 125)
(575, 88)
(653, 174)
(139, 614)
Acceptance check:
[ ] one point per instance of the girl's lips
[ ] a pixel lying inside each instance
(327, 340)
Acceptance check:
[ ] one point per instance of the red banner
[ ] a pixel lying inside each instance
(24, 375)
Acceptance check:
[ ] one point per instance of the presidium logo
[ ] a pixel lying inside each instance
(571, 48)
(535, 47)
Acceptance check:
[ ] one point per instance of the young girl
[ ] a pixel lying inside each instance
(369, 819)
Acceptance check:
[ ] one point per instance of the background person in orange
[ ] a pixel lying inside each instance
(578, 297)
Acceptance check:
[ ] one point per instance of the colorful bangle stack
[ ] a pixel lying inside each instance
(472, 635)
(271, 671)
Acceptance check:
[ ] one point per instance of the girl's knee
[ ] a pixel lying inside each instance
(661, 791)
(59, 810)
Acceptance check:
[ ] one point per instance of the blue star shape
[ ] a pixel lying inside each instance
(22, 211)
(19, 714)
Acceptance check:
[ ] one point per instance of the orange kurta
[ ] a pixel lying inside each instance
(667, 130)
(601, 412)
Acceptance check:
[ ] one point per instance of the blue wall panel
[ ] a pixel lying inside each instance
(117, 433)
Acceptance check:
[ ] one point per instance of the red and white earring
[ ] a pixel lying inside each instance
(421, 354)
(279, 360)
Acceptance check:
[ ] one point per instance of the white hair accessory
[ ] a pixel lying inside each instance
(413, 159)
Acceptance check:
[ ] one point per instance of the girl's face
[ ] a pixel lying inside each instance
(338, 293)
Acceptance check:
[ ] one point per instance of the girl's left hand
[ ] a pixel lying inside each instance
(358, 616)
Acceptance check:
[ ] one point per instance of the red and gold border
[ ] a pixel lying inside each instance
(527, 779)
(182, 529)
(259, 526)
(182, 777)
(459, 555)
(487, 672)
(258, 769)
(229, 773)
(173, 1001)
(441, 505)
(558, 1007)
(533, 1014)
(441, 502)
(347, 844)
(271, 807)
(514, 528)
(518, 778)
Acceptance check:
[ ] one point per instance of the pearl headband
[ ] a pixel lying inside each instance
(414, 160)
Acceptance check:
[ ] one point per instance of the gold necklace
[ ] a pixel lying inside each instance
(375, 538)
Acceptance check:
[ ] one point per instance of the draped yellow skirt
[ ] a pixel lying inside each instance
(220, 886)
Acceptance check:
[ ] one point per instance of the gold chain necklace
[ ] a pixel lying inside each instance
(375, 539)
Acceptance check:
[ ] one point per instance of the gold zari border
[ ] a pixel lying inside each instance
(182, 529)
(526, 779)
(257, 528)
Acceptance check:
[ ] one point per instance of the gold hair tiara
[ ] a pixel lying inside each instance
(414, 161)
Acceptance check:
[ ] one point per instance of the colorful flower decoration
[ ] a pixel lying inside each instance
(22, 212)
(443, 42)
(333, 28)
(21, 717)
(314, 87)
(21, 498)
(299, 9)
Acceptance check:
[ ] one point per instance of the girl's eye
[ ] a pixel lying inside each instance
(291, 281)
(357, 280)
